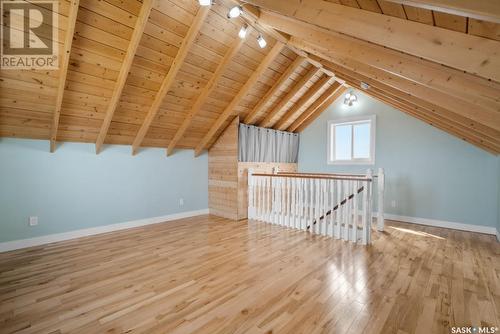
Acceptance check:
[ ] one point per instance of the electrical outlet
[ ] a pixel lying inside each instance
(33, 221)
(181, 201)
(393, 203)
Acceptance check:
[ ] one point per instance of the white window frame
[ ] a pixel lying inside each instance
(331, 140)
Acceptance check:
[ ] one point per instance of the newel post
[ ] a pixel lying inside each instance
(381, 190)
(369, 205)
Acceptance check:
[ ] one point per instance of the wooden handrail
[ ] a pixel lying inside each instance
(305, 176)
(326, 174)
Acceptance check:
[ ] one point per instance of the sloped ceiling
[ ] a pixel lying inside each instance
(172, 74)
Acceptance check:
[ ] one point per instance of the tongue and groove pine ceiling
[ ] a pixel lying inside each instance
(172, 74)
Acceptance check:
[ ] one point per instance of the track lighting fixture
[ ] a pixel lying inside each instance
(234, 12)
(262, 42)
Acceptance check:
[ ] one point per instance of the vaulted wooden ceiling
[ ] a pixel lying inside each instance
(172, 74)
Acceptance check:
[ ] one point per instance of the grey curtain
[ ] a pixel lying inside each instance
(267, 145)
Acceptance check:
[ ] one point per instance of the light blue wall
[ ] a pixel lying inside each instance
(430, 174)
(74, 188)
(498, 202)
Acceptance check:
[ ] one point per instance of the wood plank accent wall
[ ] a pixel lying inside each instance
(228, 178)
(222, 173)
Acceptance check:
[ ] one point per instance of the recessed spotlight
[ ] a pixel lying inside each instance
(234, 12)
(262, 42)
(364, 85)
(205, 2)
(243, 32)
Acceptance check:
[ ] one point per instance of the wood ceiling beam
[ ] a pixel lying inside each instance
(464, 87)
(252, 115)
(269, 120)
(413, 92)
(140, 24)
(472, 54)
(321, 108)
(63, 71)
(327, 94)
(486, 119)
(291, 114)
(207, 90)
(170, 77)
(481, 117)
(453, 125)
(416, 112)
(485, 10)
(428, 116)
(229, 110)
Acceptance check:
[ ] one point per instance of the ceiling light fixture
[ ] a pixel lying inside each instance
(350, 98)
(234, 12)
(243, 32)
(205, 2)
(262, 42)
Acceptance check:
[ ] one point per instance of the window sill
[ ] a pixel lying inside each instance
(351, 162)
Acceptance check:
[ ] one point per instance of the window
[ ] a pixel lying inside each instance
(352, 141)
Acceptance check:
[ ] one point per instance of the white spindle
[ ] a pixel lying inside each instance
(276, 202)
(354, 232)
(364, 211)
(292, 202)
(333, 213)
(338, 217)
(267, 209)
(349, 220)
(369, 175)
(343, 209)
(300, 200)
(303, 199)
(310, 202)
(380, 204)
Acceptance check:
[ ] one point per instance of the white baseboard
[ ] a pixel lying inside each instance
(24, 243)
(442, 223)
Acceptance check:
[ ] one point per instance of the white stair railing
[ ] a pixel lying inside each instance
(338, 206)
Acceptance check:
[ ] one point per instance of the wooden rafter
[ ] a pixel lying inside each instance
(486, 117)
(482, 122)
(464, 52)
(269, 120)
(419, 113)
(454, 125)
(291, 114)
(63, 71)
(229, 110)
(321, 108)
(486, 10)
(252, 115)
(372, 74)
(461, 86)
(170, 77)
(140, 24)
(205, 93)
(327, 94)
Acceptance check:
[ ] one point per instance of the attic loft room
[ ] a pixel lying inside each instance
(255, 166)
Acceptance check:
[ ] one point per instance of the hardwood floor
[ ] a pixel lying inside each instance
(211, 275)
